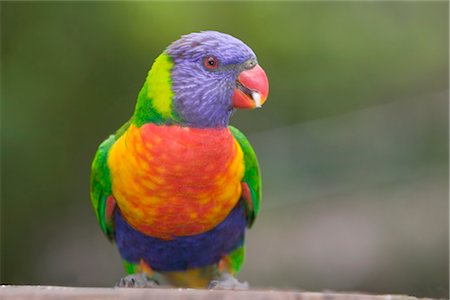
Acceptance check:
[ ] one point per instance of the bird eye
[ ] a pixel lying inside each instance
(211, 62)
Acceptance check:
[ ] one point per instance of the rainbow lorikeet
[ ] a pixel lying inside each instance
(176, 186)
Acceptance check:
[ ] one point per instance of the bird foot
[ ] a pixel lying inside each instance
(227, 281)
(138, 280)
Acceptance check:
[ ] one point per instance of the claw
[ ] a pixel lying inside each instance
(138, 280)
(226, 281)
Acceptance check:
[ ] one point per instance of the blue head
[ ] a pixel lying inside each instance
(213, 73)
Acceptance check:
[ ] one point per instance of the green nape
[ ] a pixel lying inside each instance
(155, 100)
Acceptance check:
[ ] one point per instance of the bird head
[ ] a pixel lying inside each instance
(200, 79)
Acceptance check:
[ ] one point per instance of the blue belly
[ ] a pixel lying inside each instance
(181, 253)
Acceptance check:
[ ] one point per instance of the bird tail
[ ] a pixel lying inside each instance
(192, 278)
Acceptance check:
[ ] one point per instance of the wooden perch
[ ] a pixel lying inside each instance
(58, 293)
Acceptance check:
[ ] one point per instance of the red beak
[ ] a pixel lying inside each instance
(252, 88)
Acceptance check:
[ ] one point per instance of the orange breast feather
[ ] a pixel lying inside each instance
(175, 181)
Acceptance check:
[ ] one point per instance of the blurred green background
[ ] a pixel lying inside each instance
(352, 142)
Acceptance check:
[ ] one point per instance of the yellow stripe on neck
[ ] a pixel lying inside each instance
(159, 85)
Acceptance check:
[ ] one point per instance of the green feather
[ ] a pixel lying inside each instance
(155, 100)
(251, 176)
(101, 181)
(236, 258)
(144, 111)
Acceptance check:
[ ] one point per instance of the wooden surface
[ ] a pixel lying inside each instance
(53, 292)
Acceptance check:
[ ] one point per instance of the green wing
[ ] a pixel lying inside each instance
(101, 194)
(251, 184)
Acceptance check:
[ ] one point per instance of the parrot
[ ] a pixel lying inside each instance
(176, 187)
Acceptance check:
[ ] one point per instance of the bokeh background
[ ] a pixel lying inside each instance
(352, 142)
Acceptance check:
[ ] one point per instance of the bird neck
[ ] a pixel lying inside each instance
(155, 100)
